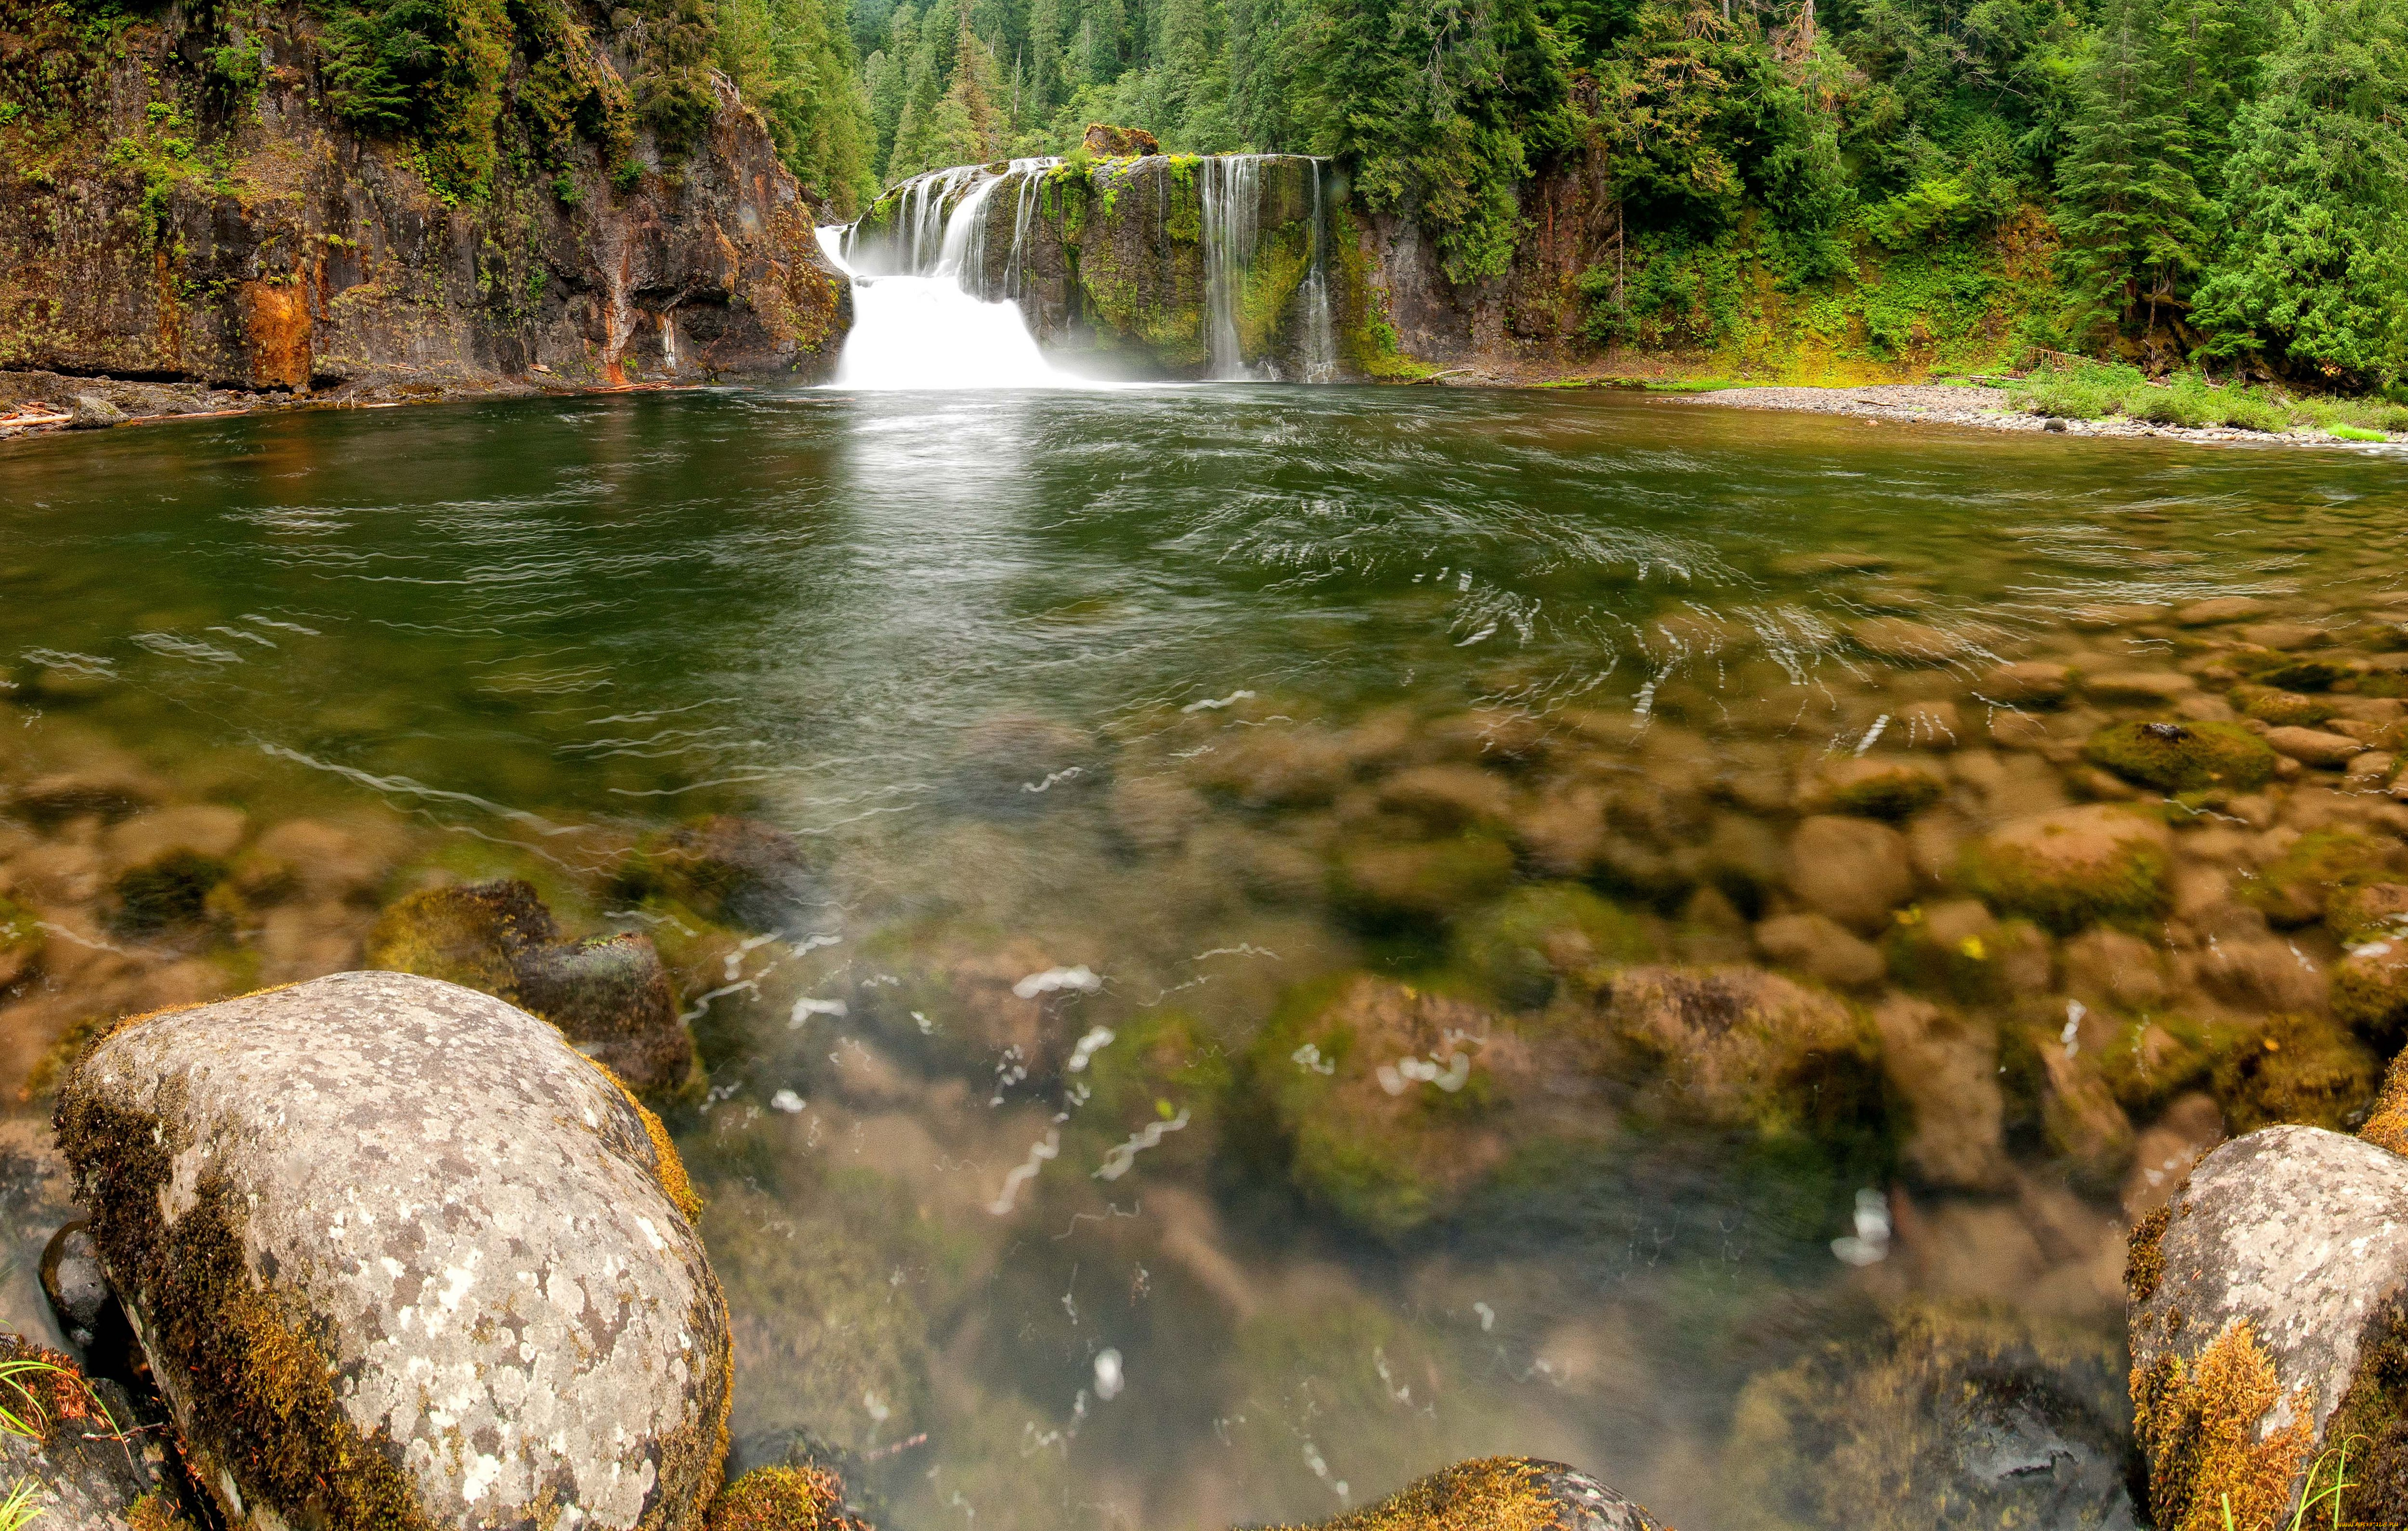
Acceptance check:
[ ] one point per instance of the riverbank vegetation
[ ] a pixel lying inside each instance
(2188, 396)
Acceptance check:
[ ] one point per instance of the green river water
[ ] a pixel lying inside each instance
(1201, 700)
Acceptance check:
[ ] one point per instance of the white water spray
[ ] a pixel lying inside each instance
(919, 318)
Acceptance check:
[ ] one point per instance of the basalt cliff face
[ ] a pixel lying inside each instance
(190, 195)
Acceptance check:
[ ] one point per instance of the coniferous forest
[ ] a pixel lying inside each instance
(2216, 180)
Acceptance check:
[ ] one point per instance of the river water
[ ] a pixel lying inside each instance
(1177, 1095)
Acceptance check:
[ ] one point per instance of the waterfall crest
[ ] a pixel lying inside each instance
(1215, 267)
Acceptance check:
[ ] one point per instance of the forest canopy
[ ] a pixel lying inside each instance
(2223, 179)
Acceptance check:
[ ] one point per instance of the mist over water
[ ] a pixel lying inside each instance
(995, 658)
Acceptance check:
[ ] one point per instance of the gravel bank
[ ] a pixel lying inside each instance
(1986, 408)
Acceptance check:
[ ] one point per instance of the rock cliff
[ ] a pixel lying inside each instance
(285, 197)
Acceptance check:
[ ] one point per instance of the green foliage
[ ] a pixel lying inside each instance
(2316, 268)
(2090, 391)
(794, 61)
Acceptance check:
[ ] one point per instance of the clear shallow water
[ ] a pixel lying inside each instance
(1034, 677)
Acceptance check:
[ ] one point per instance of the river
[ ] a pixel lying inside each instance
(1132, 736)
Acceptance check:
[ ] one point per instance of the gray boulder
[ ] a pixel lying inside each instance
(91, 411)
(2269, 1318)
(399, 1255)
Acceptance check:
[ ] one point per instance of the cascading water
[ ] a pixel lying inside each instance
(1319, 351)
(920, 316)
(932, 311)
(1232, 193)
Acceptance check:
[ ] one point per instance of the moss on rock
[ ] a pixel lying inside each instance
(1379, 882)
(2303, 1069)
(2283, 709)
(1385, 1095)
(1495, 1493)
(2071, 867)
(2203, 1426)
(2370, 991)
(2184, 756)
(784, 1499)
(21, 941)
(1521, 947)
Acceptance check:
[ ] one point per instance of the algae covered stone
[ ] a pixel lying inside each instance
(2071, 867)
(1523, 946)
(22, 939)
(1498, 1493)
(2269, 1319)
(2298, 1068)
(400, 1257)
(1937, 1417)
(1740, 1046)
(2184, 756)
(1384, 1093)
(785, 1499)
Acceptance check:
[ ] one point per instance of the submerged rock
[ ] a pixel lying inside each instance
(398, 1255)
(1740, 1046)
(608, 996)
(2071, 867)
(1386, 1093)
(2269, 1316)
(22, 939)
(2184, 756)
(1941, 1418)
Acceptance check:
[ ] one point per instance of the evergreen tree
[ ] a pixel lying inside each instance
(2315, 274)
(2130, 226)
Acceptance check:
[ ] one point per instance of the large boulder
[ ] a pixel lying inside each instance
(2268, 1316)
(400, 1256)
(610, 995)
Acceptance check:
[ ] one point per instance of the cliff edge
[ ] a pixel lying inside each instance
(398, 196)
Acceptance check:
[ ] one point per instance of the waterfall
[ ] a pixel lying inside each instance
(929, 314)
(919, 315)
(1232, 193)
(1319, 350)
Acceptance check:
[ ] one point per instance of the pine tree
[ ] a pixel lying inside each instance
(2131, 230)
(2315, 274)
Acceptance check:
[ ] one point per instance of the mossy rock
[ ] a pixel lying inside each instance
(1386, 1095)
(2297, 1069)
(1891, 789)
(2184, 756)
(2369, 992)
(2299, 886)
(21, 941)
(1521, 947)
(784, 1499)
(230, 1154)
(2283, 709)
(1880, 1431)
(2298, 673)
(1736, 1047)
(1162, 1068)
(2148, 1062)
(178, 891)
(2366, 911)
(1380, 882)
(735, 872)
(1958, 952)
(1495, 1493)
(2073, 868)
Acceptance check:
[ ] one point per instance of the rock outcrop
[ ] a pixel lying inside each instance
(400, 1256)
(184, 196)
(2269, 1314)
